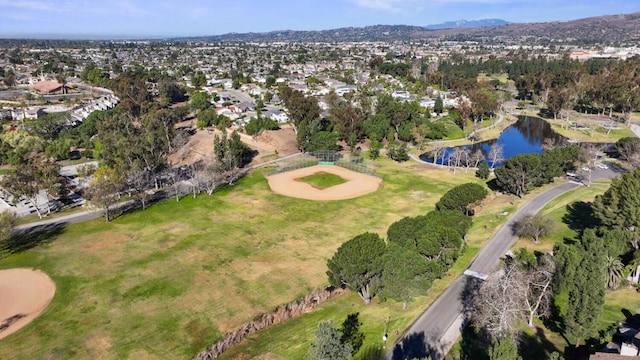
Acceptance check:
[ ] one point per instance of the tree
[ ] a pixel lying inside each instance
(503, 349)
(438, 107)
(198, 80)
(519, 174)
(628, 148)
(567, 259)
(496, 155)
(230, 152)
(200, 101)
(24, 181)
(586, 297)
(483, 171)
(8, 220)
(207, 117)
(374, 149)
(499, 304)
(614, 268)
(534, 227)
(406, 274)
(351, 333)
(464, 113)
(398, 151)
(357, 265)
(618, 207)
(104, 188)
(327, 345)
(539, 280)
(462, 197)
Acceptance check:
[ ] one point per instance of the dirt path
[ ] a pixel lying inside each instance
(357, 184)
(24, 294)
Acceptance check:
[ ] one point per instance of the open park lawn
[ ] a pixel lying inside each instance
(166, 282)
(322, 180)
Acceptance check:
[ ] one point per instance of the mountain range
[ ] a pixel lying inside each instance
(603, 30)
(467, 24)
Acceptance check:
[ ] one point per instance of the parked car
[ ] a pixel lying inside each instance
(602, 166)
(570, 174)
(586, 169)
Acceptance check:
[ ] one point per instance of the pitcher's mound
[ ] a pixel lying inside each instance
(24, 294)
(357, 184)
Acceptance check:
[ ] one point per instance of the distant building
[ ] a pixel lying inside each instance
(47, 87)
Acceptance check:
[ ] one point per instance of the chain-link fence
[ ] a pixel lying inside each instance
(346, 161)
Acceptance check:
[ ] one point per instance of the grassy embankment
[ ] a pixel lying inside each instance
(166, 282)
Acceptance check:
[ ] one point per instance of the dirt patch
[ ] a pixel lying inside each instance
(356, 185)
(200, 145)
(283, 140)
(24, 294)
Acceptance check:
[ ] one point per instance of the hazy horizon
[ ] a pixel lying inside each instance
(146, 19)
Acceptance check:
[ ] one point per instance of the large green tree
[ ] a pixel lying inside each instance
(519, 174)
(619, 206)
(357, 265)
(406, 274)
(462, 197)
(586, 296)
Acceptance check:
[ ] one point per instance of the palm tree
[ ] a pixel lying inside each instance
(614, 272)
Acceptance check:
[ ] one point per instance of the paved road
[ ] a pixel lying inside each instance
(93, 214)
(433, 332)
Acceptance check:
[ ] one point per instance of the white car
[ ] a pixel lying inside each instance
(602, 166)
(570, 174)
(586, 169)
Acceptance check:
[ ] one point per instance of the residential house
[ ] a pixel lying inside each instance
(279, 116)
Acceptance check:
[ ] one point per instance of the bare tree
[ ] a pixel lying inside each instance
(496, 155)
(476, 157)
(499, 304)
(208, 177)
(534, 227)
(591, 155)
(455, 158)
(436, 152)
(465, 158)
(538, 281)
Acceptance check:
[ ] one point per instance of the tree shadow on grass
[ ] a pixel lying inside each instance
(580, 216)
(555, 322)
(26, 239)
(536, 346)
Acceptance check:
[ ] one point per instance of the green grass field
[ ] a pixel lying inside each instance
(166, 282)
(322, 180)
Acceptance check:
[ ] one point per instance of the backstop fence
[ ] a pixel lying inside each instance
(303, 160)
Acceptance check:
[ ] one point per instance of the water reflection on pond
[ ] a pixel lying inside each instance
(526, 136)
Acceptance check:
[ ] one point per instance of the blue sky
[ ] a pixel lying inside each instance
(163, 18)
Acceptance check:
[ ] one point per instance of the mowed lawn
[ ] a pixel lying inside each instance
(166, 282)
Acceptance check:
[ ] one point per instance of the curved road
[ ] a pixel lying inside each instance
(439, 327)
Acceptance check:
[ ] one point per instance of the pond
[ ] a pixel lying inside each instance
(526, 136)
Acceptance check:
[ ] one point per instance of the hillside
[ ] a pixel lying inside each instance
(605, 30)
